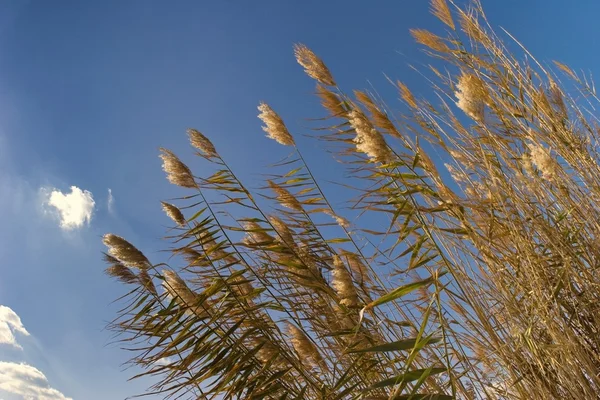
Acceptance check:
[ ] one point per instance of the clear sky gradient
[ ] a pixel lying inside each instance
(90, 89)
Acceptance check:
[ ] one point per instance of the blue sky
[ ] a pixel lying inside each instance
(90, 89)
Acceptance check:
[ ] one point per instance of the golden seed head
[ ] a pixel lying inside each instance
(241, 286)
(440, 9)
(284, 233)
(527, 164)
(330, 101)
(119, 271)
(407, 95)
(193, 257)
(341, 221)
(177, 172)
(146, 281)
(174, 213)
(357, 267)
(367, 139)
(470, 94)
(342, 283)
(125, 252)
(457, 175)
(285, 198)
(430, 40)
(274, 126)
(178, 290)
(268, 352)
(256, 234)
(304, 346)
(201, 142)
(313, 65)
(542, 160)
(471, 27)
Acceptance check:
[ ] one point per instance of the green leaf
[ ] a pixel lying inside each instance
(293, 172)
(405, 344)
(337, 240)
(424, 396)
(408, 377)
(196, 215)
(402, 291)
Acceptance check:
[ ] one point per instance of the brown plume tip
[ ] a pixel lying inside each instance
(146, 282)
(470, 93)
(285, 198)
(174, 213)
(440, 9)
(342, 283)
(283, 231)
(119, 271)
(368, 140)
(201, 142)
(304, 347)
(125, 252)
(274, 125)
(177, 172)
(313, 65)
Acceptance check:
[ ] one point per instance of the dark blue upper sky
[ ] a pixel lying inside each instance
(90, 89)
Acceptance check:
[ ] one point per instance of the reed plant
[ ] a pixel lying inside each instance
(470, 269)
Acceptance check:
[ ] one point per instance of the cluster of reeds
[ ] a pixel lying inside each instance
(482, 281)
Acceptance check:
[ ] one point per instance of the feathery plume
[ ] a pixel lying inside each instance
(174, 213)
(177, 172)
(457, 175)
(407, 95)
(125, 252)
(557, 98)
(215, 251)
(268, 352)
(194, 258)
(284, 233)
(311, 271)
(313, 65)
(367, 139)
(527, 164)
(542, 160)
(241, 286)
(440, 9)
(379, 117)
(471, 27)
(285, 198)
(177, 289)
(357, 267)
(305, 348)
(274, 126)
(330, 101)
(119, 271)
(342, 283)
(146, 281)
(430, 40)
(256, 235)
(470, 94)
(201, 142)
(341, 221)
(339, 318)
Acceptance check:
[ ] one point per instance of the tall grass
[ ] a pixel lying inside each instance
(470, 273)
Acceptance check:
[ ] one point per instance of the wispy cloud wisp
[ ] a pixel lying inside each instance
(10, 323)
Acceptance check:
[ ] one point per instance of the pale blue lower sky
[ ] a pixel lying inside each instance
(90, 89)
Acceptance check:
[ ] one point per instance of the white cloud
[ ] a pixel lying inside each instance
(75, 209)
(164, 361)
(27, 381)
(20, 378)
(10, 323)
(111, 202)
